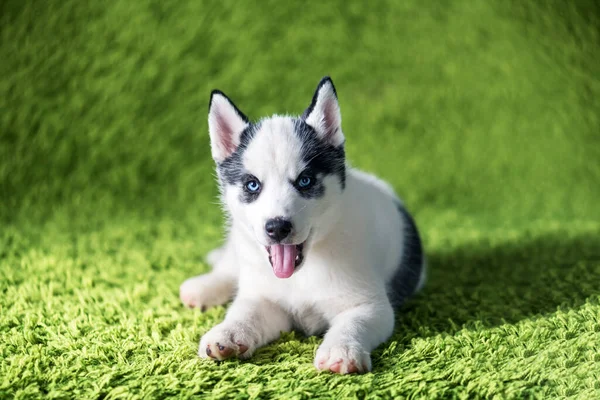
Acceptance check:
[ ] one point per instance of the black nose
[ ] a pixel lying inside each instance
(278, 228)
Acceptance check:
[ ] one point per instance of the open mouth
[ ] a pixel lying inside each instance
(285, 258)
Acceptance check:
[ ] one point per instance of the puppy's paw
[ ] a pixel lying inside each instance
(343, 359)
(224, 341)
(205, 291)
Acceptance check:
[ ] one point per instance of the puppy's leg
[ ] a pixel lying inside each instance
(208, 290)
(250, 323)
(216, 287)
(354, 333)
(214, 256)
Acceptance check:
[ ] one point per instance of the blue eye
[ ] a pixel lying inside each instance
(304, 182)
(253, 186)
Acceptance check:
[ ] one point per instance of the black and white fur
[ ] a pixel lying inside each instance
(288, 192)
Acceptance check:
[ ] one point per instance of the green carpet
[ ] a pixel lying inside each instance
(484, 115)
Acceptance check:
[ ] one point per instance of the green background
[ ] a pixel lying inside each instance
(484, 115)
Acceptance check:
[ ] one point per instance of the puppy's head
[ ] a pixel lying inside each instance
(280, 177)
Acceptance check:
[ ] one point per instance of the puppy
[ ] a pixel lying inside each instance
(312, 244)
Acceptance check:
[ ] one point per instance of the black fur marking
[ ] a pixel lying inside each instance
(237, 110)
(405, 281)
(231, 170)
(322, 83)
(321, 159)
(247, 196)
(315, 190)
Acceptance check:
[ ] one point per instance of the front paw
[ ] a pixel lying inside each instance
(223, 342)
(343, 359)
(205, 291)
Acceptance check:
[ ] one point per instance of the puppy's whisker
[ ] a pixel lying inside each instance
(300, 209)
(318, 154)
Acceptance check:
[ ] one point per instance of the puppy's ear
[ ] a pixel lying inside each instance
(324, 115)
(225, 125)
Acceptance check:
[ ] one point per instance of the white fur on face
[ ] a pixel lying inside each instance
(274, 158)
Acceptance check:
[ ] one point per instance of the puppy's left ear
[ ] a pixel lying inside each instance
(324, 115)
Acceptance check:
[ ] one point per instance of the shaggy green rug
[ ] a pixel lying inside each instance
(484, 115)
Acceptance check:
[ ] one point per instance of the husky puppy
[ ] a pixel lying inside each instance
(312, 244)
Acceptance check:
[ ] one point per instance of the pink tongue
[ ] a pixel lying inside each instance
(283, 257)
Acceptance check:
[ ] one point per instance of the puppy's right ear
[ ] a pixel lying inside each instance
(225, 125)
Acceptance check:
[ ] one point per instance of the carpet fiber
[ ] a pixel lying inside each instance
(484, 115)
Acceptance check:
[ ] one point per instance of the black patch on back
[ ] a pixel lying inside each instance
(231, 170)
(405, 281)
(321, 158)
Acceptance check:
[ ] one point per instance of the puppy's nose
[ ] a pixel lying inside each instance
(278, 228)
